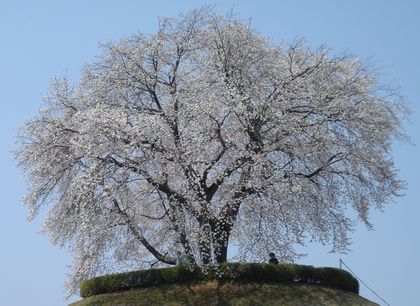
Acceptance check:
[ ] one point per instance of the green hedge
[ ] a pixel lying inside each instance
(228, 272)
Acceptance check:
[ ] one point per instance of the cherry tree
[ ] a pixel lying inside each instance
(203, 134)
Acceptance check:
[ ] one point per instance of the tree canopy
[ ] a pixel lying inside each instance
(205, 133)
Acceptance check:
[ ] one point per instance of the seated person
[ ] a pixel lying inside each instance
(273, 259)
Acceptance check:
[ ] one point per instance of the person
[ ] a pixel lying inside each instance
(273, 259)
(184, 259)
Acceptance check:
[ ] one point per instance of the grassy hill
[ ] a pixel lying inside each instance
(227, 284)
(214, 293)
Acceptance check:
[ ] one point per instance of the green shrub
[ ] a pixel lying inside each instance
(337, 278)
(227, 272)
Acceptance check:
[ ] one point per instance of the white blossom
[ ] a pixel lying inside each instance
(204, 134)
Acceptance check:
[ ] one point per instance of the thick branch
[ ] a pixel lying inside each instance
(137, 233)
(219, 155)
(164, 187)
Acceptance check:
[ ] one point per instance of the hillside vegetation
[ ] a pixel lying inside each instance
(214, 293)
(227, 284)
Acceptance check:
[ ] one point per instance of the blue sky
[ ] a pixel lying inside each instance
(43, 39)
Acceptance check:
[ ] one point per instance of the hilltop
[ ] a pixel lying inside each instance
(212, 293)
(231, 284)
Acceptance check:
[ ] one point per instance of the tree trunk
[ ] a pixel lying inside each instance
(222, 227)
(220, 251)
(221, 233)
(205, 242)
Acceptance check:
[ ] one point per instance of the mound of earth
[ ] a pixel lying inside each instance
(214, 293)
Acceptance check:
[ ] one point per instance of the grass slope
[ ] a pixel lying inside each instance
(213, 293)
